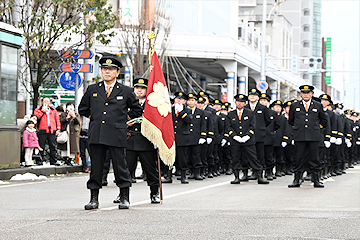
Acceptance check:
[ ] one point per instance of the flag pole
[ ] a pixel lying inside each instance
(151, 36)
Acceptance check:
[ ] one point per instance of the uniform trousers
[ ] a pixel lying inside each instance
(225, 154)
(244, 156)
(182, 156)
(51, 138)
(203, 150)
(307, 156)
(210, 155)
(84, 144)
(269, 156)
(335, 155)
(194, 156)
(289, 154)
(120, 166)
(148, 161)
(279, 155)
(216, 154)
(260, 153)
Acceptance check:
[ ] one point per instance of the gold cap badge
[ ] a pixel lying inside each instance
(108, 61)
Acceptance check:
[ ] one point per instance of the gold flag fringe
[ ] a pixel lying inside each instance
(154, 135)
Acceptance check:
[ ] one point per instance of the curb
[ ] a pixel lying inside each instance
(39, 170)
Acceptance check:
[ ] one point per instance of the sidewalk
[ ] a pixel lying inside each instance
(46, 170)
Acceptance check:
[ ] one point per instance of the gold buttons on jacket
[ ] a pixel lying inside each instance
(104, 113)
(106, 104)
(240, 132)
(307, 114)
(306, 120)
(103, 122)
(306, 126)
(136, 129)
(240, 127)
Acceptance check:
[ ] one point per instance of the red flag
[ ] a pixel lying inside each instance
(157, 124)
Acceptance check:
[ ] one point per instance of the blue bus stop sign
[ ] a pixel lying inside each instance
(67, 80)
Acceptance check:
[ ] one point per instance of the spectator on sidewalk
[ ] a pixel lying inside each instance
(21, 123)
(71, 123)
(84, 142)
(49, 128)
(30, 142)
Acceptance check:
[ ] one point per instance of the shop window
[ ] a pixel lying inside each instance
(8, 84)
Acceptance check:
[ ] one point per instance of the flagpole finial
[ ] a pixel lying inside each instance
(151, 37)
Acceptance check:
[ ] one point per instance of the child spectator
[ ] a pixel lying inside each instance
(30, 141)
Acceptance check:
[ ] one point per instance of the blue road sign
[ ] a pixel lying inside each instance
(67, 80)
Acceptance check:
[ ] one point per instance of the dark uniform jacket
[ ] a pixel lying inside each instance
(136, 141)
(263, 119)
(270, 137)
(288, 132)
(243, 127)
(209, 124)
(213, 129)
(325, 131)
(197, 126)
(108, 116)
(333, 123)
(280, 132)
(222, 126)
(306, 125)
(182, 127)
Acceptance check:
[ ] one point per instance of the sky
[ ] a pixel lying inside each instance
(341, 22)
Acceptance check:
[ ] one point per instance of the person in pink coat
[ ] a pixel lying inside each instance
(30, 141)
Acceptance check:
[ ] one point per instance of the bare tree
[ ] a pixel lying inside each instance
(45, 22)
(134, 38)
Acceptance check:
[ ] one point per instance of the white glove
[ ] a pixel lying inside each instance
(354, 129)
(36, 151)
(348, 144)
(327, 144)
(209, 140)
(202, 141)
(347, 140)
(223, 142)
(245, 138)
(228, 143)
(357, 142)
(155, 146)
(332, 139)
(338, 141)
(238, 138)
(283, 144)
(292, 142)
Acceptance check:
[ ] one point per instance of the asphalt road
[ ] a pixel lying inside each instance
(209, 209)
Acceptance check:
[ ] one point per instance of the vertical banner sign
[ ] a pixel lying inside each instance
(129, 12)
(294, 63)
(328, 61)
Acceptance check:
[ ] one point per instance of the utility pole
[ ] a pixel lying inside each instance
(263, 43)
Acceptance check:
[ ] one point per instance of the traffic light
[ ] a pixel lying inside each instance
(314, 63)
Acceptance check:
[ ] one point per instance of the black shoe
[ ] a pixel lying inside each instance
(168, 178)
(228, 172)
(269, 175)
(183, 177)
(133, 180)
(124, 198)
(317, 183)
(117, 199)
(245, 177)
(154, 194)
(94, 200)
(253, 176)
(197, 174)
(104, 182)
(261, 180)
(296, 182)
(236, 180)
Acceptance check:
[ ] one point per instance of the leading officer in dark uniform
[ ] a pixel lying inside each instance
(107, 104)
(306, 116)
